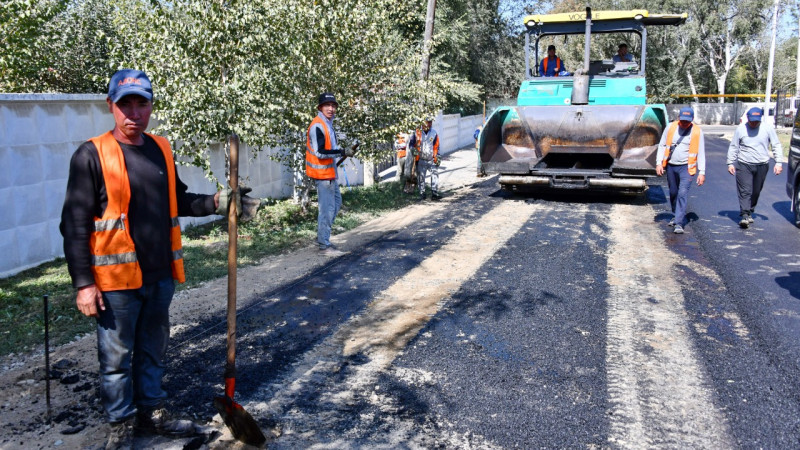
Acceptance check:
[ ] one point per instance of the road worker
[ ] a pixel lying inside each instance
(425, 145)
(551, 66)
(122, 243)
(321, 150)
(404, 174)
(681, 154)
(748, 160)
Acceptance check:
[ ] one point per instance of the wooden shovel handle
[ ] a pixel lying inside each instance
(233, 233)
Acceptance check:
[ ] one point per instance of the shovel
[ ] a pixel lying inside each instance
(240, 422)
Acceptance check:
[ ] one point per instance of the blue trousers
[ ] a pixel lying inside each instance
(679, 182)
(132, 337)
(330, 202)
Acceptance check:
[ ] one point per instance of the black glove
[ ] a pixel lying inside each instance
(352, 150)
(246, 207)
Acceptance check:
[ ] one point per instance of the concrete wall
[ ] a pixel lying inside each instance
(715, 113)
(455, 131)
(39, 133)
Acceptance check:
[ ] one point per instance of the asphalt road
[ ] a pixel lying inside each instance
(504, 321)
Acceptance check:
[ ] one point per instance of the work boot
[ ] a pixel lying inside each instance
(744, 222)
(331, 251)
(678, 229)
(121, 435)
(158, 421)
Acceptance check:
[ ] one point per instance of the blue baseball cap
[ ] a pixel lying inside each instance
(129, 82)
(754, 114)
(686, 113)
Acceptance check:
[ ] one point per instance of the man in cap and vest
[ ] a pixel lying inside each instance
(404, 172)
(122, 242)
(321, 149)
(681, 154)
(748, 160)
(425, 147)
(552, 65)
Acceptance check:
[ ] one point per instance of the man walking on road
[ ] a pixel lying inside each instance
(321, 148)
(122, 242)
(682, 153)
(748, 160)
(425, 143)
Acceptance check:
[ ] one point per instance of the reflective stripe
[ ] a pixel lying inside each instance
(319, 166)
(107, 225)
(108, 260)
(175, 222)
(177, 254)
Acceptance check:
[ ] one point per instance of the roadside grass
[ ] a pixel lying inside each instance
(278, 227)
(784, 139)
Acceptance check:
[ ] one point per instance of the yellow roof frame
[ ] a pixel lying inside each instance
(598, 16)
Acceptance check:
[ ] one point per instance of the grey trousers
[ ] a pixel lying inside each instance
(423, 168)
(749, 182)
(330, 202)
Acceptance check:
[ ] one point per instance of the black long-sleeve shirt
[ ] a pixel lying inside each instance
(148, 212)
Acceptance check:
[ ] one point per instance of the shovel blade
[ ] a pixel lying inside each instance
(240, 422)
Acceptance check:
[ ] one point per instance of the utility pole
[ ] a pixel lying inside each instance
(768, 95)
(797, 80)
(426, 45)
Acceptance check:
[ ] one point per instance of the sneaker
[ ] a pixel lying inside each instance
(331, 251)
(744, 222)
(158, 421)
(678, 229)
(121, 436)
(671, 222)
(750, 219)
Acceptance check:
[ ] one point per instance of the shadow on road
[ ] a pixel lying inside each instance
(791, 283)
(785, 210)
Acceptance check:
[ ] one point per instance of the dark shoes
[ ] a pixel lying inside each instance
(421, 197)
(745, 221)
(436, 197)
(158, 421)
(121, 436)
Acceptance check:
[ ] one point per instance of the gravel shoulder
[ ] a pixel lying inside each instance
(76, 414)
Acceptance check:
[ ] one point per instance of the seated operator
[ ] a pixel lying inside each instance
(622, 54)
(552, 65)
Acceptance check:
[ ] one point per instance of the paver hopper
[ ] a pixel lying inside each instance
(591, 129)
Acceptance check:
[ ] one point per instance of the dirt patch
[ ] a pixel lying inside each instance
(76, 419)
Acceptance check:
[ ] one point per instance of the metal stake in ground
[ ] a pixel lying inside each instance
(240, 422)
(47, 355)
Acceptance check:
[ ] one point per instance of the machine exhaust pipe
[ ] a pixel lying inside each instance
(580, 82)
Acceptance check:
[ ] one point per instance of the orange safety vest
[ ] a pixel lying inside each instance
(319, 168)
(558, 65)
(401, 140)
(419, 144)
(694, 146)
(114, 262)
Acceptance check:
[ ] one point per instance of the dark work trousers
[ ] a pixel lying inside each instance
(679, 182)
(749, 182)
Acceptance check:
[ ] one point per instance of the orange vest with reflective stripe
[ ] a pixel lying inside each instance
(558, 66)
(694, 146)
(114, 262)
(401, 140)
(419, 144)
(319, 168)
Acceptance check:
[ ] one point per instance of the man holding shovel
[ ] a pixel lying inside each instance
(122, 242)
(321, 149)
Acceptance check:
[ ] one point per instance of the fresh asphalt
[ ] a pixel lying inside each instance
(517, 356)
